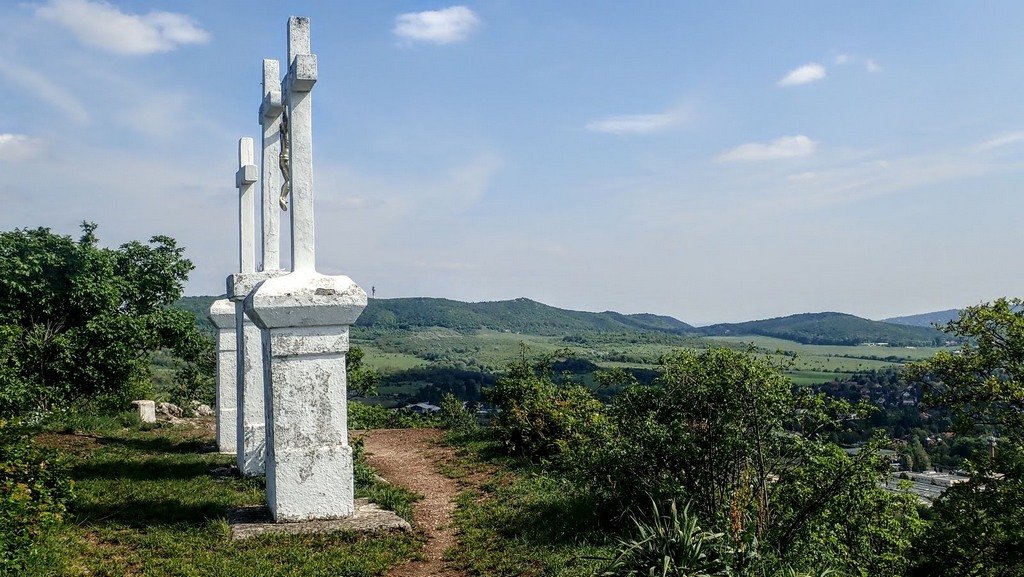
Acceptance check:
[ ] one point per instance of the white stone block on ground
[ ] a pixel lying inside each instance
(146, 410)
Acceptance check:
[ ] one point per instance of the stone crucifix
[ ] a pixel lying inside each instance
(306, 317)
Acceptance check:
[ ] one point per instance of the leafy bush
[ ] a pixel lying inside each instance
(364, 416)
(33, 493)
(723, 430)
(456, 417)
(538, 418)
(78, 323)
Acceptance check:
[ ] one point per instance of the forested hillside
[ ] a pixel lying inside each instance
(925, 319)
(831, 328)
(519, 316)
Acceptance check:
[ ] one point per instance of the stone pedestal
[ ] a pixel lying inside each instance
(250, 422)
(147, 411)
(307, 316)
(222, 314)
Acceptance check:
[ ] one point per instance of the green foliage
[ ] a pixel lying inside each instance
(79, 322)
(456, 417)
(34, 489)
(978, 526)
(362, 380)
(364, 416)
(723, 430)
(538, 418)
(671, 545)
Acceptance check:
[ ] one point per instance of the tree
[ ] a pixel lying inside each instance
(79, 322)
(724, 431)
(978, 528)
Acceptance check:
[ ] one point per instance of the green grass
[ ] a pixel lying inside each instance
(147, 504)
(523, 521)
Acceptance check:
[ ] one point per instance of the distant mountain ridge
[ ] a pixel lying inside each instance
(520, 315)
(831, 328)
(925, 319)
(526, 316)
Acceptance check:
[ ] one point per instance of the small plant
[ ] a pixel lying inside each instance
(671, 545)
(33, 493)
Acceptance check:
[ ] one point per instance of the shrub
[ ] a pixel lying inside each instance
(456, 417)
(33, 493)
(538, 418)
(364, 416)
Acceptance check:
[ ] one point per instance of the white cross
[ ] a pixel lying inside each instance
(270, 121)
(245, 180)
(298, 101)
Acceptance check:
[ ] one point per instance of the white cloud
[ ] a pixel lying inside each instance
(44, 89)
(780, 148)
(804, 75)
(871, 65)
(841, 59)
(639, 123)
(1002, 140)
(18, 147)
(452, 24)
(104, 26)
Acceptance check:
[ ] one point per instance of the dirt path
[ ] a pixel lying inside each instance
(409, 458)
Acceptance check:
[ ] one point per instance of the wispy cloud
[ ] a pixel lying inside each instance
(1002, 140)
(46, 90)
(869, 63)
(639, 123)
(103, 25)
(18, 147)
(804, 75)
(452, 24)
(780, 148)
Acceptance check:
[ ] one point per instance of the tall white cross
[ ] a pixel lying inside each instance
(270, 184)
(298, 101)
(245, 180)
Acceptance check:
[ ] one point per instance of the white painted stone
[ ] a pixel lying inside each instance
(250, 418)
(245, 180)
(222, 314)
(305, 317)
(270, 183)
(308, 460)
(298, 101)
(147, 410)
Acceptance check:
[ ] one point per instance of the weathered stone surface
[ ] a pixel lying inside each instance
(203, 411)
(222, 314)
(147, 410)
(169, 409)
(306, 299)
(251, 425)
(368, 518)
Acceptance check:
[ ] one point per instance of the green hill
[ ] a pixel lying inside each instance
(831, 328)
(199, 306)
(519, 316)
(925, 319)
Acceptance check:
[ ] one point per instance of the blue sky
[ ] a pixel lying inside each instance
(718, 161)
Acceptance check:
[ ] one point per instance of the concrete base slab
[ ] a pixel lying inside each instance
(249, 522)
